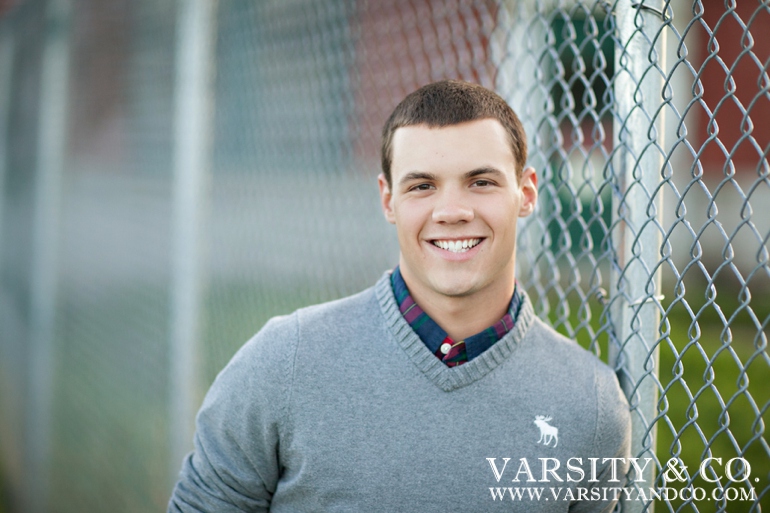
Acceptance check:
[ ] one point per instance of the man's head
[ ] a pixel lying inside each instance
(451, 102)
(454, 153)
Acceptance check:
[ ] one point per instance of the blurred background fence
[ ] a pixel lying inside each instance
(174, 173)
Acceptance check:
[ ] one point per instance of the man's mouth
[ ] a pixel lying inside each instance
(456, 246)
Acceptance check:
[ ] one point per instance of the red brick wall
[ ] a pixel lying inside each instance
(725, 94)
(404, 44)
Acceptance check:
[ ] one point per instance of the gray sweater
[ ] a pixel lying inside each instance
(341, 407)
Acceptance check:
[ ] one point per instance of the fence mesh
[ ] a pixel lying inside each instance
(647, 123)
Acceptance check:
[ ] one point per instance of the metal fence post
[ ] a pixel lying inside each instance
(192, 144)
(523, 64)
(521, 57)
(637, 206)
(51, 154)
(7, 52)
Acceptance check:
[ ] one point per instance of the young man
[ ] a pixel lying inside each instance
(437, 389)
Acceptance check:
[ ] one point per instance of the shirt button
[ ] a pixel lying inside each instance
(445, 347)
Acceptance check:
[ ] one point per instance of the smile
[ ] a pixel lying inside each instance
(456, 246)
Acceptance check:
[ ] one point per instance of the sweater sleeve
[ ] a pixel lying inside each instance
(235, 463)
(612, 443)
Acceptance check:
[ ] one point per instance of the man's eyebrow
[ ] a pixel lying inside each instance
(421, 175)
(416, 175)
(486, 170)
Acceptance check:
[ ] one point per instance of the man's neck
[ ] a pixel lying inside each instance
(464, 316)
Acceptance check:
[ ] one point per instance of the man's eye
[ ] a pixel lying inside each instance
(482, 183)
(420, 187)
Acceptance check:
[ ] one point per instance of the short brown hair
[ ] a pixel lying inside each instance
(451, 102)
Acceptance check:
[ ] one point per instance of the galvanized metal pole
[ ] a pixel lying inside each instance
(194, 98)
(637, 208)
(7, 52)
(521, 57)
(51, 155)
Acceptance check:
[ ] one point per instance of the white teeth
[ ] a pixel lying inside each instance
(456, 246)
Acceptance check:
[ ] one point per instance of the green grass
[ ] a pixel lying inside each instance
(718, 397)
(110, 413)
(715, 383)
(3, 499)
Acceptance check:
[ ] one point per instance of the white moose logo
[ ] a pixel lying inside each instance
(547, 431)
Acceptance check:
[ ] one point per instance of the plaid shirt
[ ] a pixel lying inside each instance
(449, 351)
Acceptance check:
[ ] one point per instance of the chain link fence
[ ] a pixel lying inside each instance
(173, 174)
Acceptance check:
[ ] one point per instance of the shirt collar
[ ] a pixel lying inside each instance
(433, 335)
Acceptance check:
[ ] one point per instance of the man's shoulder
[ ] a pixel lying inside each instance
(339, 311)
(567, 355)
(561, 344)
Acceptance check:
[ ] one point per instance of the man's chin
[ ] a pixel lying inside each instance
(456, 288)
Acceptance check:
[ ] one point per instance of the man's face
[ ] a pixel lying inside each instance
(455, 201)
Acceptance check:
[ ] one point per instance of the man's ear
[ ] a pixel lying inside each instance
(386, 199)
(528, 188)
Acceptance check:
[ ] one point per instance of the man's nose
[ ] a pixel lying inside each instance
(452, 207)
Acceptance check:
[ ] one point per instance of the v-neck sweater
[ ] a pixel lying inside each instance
(341, 407)
(445, 377)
